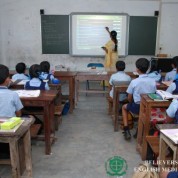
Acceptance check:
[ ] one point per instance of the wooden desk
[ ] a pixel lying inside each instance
(70, 77)
(144, 121)
(117, 91)
(166, 143)
(19, 139)
(45, 100)
(84, 76)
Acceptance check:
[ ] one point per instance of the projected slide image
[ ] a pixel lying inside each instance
(89, 34)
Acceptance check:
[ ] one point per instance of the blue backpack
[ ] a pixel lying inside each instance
(66, 108)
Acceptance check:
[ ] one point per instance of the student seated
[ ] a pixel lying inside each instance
(141, 85)
(171, 174)
(45, 71)
(172, 112)
(171, 75)
(153, 72)
(35, 83)
(20, 68)
(173, 88)
(120, 76)
(10, 104)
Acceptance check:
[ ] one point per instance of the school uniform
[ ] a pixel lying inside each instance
(155, 75)
(141, 85)
(9, 102)
(173, 174)
(20, 77)
(171, 75)
(46, 76)
(120, 76)
(172, 109)
(36, 84)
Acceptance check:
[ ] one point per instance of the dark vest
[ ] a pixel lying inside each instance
(41, 87)
(176, 90)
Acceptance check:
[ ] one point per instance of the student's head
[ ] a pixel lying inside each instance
(45, 66)
(4, 75)
(120, 65)
(34, 71)
(153, 66)
(142, 65)
(174, 62)
(20, 68)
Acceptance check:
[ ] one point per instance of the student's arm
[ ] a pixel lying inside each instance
(130, 98)
(107, 29)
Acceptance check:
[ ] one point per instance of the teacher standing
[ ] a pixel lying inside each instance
(111, 50)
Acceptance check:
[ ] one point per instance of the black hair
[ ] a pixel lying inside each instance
(114, 38)
(45, 66)
(34, 71)
(20, 68)
(142, 64)
(154, 66)
(4, 73)
(174, 61)
(120, 65)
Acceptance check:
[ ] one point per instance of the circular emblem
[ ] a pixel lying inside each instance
(116, 166)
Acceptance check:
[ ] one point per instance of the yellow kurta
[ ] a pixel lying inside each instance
(111, 56)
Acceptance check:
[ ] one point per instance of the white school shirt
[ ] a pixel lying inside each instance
(9, 102)
(172, 108)
(20, 77)
(141, 85)
(120, 76)
(170, 75)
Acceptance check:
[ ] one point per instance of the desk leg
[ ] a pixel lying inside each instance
(71, 95)
(14, 154)
(145, 133)
(27, 147)
(162, 152)
(47, 128)
(116, 111)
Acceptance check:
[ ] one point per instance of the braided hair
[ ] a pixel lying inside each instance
(114, 38)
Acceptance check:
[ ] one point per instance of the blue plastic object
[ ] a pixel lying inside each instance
(56, 81)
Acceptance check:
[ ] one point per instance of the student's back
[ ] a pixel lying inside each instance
(45, 71)
(119, 76)
(35, 83)
(20, 68)
(171, 75)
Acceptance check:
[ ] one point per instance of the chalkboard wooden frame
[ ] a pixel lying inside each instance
(55, 34)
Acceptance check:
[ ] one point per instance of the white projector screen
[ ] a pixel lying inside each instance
(88, 33)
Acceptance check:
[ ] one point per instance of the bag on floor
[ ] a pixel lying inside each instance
(145, 171)
(66, 108)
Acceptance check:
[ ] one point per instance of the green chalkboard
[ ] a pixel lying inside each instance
(55, 34)
(142, 35)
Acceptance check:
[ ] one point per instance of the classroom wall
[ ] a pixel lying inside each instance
(20, 34)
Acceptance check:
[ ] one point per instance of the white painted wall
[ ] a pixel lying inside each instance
(20, 35)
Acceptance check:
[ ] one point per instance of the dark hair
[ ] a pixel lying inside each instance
(142, 64)
(20, 67)
(45, 66)
(174, 61)
(4, 73)
(154, 66)
(34, 71)
(120, 65)
(114, 38)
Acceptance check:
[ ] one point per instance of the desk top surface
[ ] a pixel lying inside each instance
(23, 128)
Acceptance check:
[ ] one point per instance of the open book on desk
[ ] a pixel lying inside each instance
(28, 93)
(161, 95)
(171, 134)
